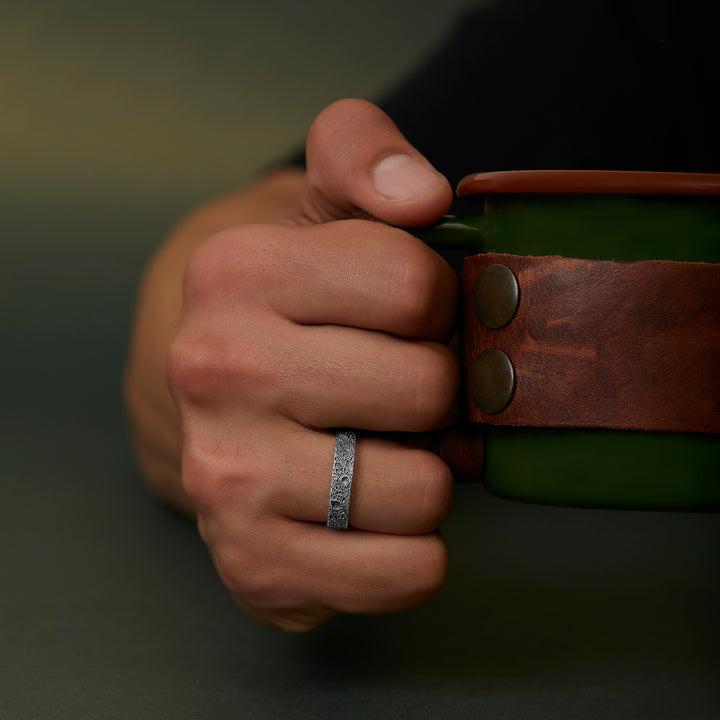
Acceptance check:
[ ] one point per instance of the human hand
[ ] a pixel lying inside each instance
(316, 322)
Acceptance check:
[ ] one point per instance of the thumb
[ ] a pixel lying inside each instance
(357, 158)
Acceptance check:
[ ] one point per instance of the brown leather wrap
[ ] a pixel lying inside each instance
(604, 344)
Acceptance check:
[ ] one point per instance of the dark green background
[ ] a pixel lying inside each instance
(115, 118)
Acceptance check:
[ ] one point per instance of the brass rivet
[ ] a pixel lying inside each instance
(492, 381)
(495, 296)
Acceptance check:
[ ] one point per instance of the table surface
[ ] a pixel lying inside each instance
(110, 608)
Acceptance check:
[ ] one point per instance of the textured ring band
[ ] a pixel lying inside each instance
(341, 480)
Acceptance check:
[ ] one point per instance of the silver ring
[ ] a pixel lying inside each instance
(341, 481)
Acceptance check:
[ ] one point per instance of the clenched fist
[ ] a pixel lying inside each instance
(325, 317)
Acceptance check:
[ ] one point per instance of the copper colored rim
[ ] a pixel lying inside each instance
(599, 182)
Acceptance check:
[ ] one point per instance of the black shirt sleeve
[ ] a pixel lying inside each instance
(562, 84)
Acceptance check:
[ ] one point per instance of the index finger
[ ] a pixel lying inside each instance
(354, 273)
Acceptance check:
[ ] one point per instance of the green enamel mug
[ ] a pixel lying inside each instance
(629, 218)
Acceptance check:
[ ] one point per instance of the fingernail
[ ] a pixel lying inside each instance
(398, 177)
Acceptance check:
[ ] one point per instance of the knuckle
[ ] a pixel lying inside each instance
(196, 367)
(424, 292)
(261, 578)
(417, 287)
(255, 584)
(435, 386)
(255, 576)
(236, 258)
(205, 266)
(203, 481)
(433, 491)
(204, 366)
(178, 371)
(430, 568)
(218, 476)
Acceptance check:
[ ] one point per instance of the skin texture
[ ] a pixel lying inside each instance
(271, 317)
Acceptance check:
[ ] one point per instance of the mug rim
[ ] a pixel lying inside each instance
(598, 182)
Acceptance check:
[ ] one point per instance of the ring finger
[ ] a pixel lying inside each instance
(396, 489)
